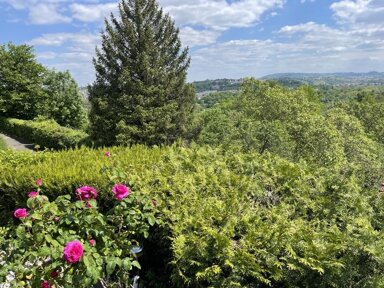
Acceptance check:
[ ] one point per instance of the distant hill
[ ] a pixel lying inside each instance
(288, 79)
(328, 79)
(296, 79)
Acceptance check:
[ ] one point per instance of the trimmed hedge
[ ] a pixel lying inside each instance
(46, 133)
(231, 219)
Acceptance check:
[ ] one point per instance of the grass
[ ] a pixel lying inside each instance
(3, 146)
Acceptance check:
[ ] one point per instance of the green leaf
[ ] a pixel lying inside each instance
(37, 216)
(44, 251)
(151, 220)
(127, 265)
(136, 264)
(111, 265)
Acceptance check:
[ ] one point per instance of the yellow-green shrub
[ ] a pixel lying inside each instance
(231, 219)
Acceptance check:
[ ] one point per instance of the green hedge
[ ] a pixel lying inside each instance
(231, 219)
(46, 133)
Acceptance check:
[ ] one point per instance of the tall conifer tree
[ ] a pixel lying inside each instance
(140, 93)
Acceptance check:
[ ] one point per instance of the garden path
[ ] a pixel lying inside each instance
(14, 144)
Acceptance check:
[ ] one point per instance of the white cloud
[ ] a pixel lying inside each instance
(307, 47)
(243, 58)
(192, 37)
(80, 41)
(213, 15)
(41, 11)
(219, 14)
(46, 14)
(359, 12)
(69, 51)
(92, 12)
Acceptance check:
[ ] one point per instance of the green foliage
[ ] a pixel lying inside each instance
(63, 172)
(21, 82)
(29, 90)
(231, 219)
(294, 124)
(33, 249)
(358, 147)
(64, 103)
(331, 94)
(140, 94)
(217, 85)
(212, 99)
(44, 133)
(370, 113)
(267, 117)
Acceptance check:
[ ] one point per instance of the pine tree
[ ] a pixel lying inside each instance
(140, 93)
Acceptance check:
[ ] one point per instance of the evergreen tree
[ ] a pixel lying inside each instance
(140, 93)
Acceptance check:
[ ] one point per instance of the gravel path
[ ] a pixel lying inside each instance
(14, 144)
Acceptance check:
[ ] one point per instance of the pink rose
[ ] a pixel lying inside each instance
(73, 251)
(45, 284)
(121, 191)
(54, 274)
(92, 242)
(39, 182)
(86, 192)
(20, 213)
(107, 154)
(33, 194)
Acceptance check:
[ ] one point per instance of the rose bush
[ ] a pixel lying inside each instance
(67, 243)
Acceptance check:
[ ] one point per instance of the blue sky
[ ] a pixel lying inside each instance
(227, 38)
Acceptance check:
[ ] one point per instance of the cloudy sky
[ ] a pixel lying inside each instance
(227, 38)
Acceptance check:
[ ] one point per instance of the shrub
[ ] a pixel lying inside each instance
(230, 219)
(45, 133)
(73, 243)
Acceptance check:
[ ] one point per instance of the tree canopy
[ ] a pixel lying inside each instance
(29, 90)
(64, 102)
(21, 79)
(140, 94)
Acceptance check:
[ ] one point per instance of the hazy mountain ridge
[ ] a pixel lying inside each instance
(296, 79)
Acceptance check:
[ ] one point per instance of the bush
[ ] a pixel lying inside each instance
(45, 133)
(67, 243)
(230, 219)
